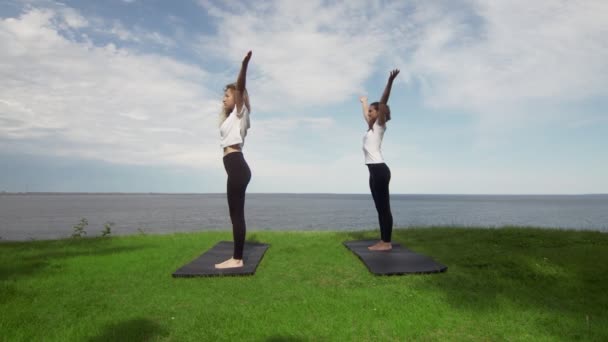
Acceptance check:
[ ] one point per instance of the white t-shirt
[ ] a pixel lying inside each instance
(234, 129)
(372, 143)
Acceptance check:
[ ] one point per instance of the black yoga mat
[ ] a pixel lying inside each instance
(398, 260)
(204, 265)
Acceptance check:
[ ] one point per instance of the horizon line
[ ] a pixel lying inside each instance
(288, 193)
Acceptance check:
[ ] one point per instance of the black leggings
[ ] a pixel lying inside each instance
(239, 176)
(379, 177)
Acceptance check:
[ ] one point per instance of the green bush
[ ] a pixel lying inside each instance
(79, 228)
(107, 229)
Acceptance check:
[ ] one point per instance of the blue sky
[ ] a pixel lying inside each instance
(494, 97)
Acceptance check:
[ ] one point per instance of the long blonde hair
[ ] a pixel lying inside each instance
(245, 94)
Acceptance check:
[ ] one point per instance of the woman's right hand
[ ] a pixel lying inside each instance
(393, 74)
(247, 57)
(363, 99)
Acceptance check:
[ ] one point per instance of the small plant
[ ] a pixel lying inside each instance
(79, 228)
(107, 228)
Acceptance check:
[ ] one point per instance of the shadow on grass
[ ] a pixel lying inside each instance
(131, 330)
(280, 338)
(46, 255)
(8, 293)
(362, 235)
(62, 254)
(535, 269)
(253, 238)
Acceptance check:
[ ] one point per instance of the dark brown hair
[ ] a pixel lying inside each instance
(232, 86)
(384, 112)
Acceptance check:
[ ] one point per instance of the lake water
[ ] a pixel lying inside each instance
(50, 216)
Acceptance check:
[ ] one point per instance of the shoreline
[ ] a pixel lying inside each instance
(315, 231)
(296, 194)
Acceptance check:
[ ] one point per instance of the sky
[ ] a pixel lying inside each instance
(494, 97)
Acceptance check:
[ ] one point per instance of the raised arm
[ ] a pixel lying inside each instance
(240, 83)
(389, 85)
(365, 107)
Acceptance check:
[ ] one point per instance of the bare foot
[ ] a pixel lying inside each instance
(381, 246)
(230, 263)
(372, 247)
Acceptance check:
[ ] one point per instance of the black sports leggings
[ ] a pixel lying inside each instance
(379, 177)
(239, 176)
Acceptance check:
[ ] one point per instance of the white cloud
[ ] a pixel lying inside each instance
(505, 54)
(486, 178)
(73, 19)
(138, 35)
(347, 174)
(304, 53)
(73, 98)
(62, 94)
(63, 97)
(492, 59)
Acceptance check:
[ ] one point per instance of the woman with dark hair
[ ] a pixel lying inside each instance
(234, 122)
(376, 116)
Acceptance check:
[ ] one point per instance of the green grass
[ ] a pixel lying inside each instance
(501, 284)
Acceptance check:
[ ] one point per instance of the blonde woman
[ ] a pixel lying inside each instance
(376, 116)
(233, 129)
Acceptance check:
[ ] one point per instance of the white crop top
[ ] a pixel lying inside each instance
(372, 142)
(234, 129)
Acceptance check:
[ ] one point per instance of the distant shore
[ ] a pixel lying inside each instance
(274, 193)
